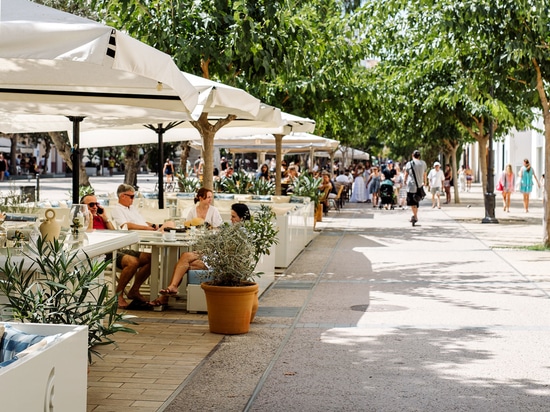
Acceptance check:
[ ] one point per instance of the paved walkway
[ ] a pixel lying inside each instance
(374, 315)
(378, 316)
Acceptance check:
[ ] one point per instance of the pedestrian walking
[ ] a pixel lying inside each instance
(506, 185)
(415, 178)
(526, 176)
(435, 181)
(447, 183)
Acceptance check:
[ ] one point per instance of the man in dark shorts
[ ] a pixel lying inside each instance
(419, 167)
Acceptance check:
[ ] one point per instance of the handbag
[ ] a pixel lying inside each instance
(499, 186)
(420, 193)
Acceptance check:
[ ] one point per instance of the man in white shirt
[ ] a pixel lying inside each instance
(127, 216)
(415, 178)
(435, 180)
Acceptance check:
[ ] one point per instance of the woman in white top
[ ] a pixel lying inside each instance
(359, 188)
(204, 209)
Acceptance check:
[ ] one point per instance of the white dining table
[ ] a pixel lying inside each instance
(164, 256)
(95, 243)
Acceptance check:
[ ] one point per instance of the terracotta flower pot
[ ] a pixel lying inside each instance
(230, 307)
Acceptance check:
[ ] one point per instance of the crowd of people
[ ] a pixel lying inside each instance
(23, 165)
(387, 185)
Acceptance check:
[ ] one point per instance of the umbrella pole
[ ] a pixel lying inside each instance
(160, 132)
(278, 162)
(75, 156)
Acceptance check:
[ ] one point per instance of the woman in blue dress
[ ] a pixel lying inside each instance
(526, 175)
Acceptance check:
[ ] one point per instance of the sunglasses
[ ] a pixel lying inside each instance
(130, 196)
(94, 204)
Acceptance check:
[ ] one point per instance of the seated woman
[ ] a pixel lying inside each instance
(191, 260)
(204, 208)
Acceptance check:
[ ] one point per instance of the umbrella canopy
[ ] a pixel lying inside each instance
(294, 142)
(54, 63)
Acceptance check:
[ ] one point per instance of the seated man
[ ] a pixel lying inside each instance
(131, 262)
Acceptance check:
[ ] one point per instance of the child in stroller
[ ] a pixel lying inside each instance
(387, 199)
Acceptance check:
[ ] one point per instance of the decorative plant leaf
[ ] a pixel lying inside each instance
(59, 287)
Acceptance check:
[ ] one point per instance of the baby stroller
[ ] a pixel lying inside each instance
(387, 199)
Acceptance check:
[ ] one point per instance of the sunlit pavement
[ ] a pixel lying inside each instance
(374, 315)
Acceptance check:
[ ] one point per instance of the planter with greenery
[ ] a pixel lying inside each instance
(53, 285)
(308, 185)
(187, 184)
(231, 253)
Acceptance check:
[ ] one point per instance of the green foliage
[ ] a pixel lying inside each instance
(261, 187)
(233, 251)
(261, 228)
(228, 253)
(302, 57)
(53, 285)
(12, 202)
(187, 184)
(239, 183)
(308, 185)
(85, 190)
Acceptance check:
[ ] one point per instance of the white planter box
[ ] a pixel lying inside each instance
(52, 379)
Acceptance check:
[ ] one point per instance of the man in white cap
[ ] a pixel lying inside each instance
(435, 181)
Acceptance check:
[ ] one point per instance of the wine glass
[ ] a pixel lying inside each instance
(79, 219)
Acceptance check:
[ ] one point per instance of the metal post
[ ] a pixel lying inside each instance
(75, 156)
(38, 187)
(160, 132)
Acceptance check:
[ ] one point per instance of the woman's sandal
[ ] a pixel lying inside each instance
(168, 292)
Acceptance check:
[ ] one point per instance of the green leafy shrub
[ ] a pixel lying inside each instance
(261, 187)
(238, 183)
(60, 287)
(308, 185)
(187, 184)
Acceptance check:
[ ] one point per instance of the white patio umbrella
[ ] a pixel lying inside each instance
(55, 63)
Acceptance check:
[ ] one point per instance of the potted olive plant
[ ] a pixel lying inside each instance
(231, 254)
(54, 285)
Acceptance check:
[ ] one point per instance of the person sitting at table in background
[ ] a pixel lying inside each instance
(204, 208)
(263, 173)
(132, 263)
(289, 177)
(327, 189)
(191, 260)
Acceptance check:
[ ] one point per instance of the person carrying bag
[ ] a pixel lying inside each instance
(415, 191)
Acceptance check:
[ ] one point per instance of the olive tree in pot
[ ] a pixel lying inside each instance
(231, 254)
(54, 285)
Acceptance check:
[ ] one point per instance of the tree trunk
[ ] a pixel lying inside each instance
(454, 168)
(47, 150)
(483, 141)
(207, 132)
(131, 163)
(546, 118)
(185, 149)
(61, 142)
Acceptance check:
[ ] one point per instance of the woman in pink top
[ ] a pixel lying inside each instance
(506, 185)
